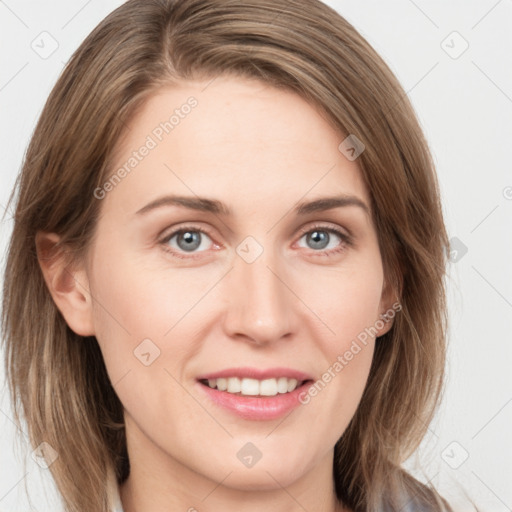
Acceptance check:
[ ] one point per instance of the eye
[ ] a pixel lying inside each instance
(185, 240)
(326, 240)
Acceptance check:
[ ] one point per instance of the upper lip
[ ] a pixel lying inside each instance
(257, 373)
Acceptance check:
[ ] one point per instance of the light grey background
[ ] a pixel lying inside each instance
(464, 102)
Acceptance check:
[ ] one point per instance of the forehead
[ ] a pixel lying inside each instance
(233, 139)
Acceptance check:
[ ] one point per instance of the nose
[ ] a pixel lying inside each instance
(260, 306)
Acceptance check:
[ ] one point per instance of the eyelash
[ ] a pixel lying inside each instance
(346, 240)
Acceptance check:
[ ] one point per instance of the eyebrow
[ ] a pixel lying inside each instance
(217, 207)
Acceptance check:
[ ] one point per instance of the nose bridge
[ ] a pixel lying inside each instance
(259, 307)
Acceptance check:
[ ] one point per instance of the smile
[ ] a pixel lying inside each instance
(255, 394)
(254, 387)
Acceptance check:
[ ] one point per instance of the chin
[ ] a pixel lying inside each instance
(262, 479)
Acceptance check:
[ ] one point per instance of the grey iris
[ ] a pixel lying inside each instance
(318, 237)
(192, 238)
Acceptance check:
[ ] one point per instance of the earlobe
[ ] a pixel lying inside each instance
(385, 323)
(67, 283)
(389, 306)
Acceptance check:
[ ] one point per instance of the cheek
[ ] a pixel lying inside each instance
(347, 303)
(139, 315)
(125, 295)
(134, 302)
(345, 300)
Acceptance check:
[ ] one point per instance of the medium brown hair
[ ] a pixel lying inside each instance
(58, 380)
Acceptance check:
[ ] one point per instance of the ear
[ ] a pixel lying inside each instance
(68, 284)
(388, 308)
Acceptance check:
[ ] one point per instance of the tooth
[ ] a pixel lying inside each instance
(265, 387)
(282, 385)
(268, 387)
(222, 384)
(250, 387)
(234, 385)
(292, 384)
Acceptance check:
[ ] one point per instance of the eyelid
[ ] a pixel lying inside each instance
(186, 227)
(326, 226)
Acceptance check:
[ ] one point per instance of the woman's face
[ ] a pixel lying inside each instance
(258, 293)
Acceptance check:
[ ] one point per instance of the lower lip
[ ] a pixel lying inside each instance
(257, 407)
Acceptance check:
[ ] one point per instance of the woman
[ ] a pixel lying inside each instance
(292, 357)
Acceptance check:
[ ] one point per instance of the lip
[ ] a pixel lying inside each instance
(256, 373)
(251, 407)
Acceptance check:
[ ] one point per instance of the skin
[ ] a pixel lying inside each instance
(259, 150)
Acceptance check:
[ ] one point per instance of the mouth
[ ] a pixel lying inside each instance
(254, 387)
(254, 394)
